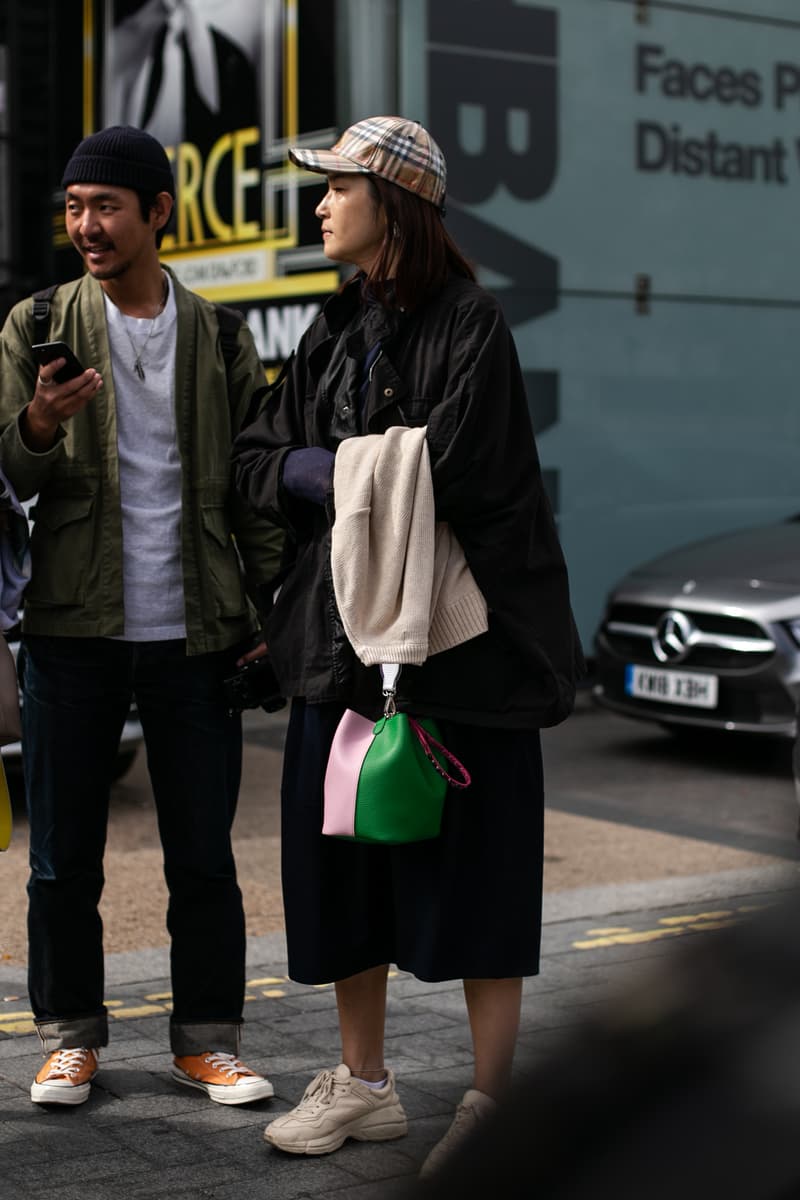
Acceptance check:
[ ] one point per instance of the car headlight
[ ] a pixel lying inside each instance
(794, 629)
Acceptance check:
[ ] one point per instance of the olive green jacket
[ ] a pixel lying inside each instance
(76, 544)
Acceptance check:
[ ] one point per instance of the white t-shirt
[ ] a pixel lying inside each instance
(149, 472)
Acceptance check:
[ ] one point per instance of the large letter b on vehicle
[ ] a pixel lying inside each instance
(493, 97)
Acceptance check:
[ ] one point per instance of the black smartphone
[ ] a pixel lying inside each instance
(47, 352)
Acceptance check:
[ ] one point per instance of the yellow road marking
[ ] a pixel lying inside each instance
(21, 1022)
(141, 1010)
(628, 939)
(155, 1003)
(669, 927)
(689, 920)
(17, 1027)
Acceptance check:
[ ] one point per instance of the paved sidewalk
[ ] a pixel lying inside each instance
(141, 1136)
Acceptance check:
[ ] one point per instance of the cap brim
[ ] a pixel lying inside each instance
(325, 162)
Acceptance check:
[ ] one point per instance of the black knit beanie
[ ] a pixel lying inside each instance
(121, 156)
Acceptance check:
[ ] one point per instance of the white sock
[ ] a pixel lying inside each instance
(370, 1083)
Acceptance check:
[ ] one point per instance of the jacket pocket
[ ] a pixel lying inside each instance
(222, 567)
(61, 550)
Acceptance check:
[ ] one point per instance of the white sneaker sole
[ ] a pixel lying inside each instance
(50, 1093)
(376, 1128)
(232, 1093)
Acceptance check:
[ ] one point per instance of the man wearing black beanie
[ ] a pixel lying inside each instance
(137, 588)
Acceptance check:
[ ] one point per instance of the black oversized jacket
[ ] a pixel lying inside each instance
(450, 365)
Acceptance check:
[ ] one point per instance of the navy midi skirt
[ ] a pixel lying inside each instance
(466, 905)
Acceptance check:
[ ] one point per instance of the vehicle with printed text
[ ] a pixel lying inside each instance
(708, 635)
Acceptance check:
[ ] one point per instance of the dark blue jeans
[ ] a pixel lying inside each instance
(76, 695)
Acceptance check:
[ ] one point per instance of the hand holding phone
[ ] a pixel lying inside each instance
(51, 405)
(47, 352)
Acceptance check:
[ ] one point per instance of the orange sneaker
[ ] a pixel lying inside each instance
(66, 1077)
(222, 1077)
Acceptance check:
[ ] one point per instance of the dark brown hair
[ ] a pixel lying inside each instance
(418, 253)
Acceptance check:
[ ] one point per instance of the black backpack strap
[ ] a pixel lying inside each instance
(263, 394)
(229, 322)
(41, 313)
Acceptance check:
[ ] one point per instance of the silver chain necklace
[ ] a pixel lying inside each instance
(138, 351)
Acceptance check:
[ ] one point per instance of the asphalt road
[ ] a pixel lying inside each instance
(626, 802)
(723, 789)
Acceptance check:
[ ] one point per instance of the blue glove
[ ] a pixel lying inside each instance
(308, 473)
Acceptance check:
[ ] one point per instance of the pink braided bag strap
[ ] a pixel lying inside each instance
(427, 741)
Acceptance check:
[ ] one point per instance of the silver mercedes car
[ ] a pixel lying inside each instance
(708, 635)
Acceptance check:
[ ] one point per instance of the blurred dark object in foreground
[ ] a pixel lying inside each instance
(254, 685)
(686, 1085)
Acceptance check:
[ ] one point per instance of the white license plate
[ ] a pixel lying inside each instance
(671, 687)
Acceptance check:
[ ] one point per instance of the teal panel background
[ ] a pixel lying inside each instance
(673, 427)
(683, 422)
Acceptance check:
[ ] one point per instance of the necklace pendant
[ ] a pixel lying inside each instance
(138, 368)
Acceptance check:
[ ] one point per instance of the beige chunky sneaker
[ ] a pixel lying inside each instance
(474, 1108)
(335, 1107)
(66, 1077)
(223, 1078)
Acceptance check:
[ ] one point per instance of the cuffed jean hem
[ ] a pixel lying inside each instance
(67, 1034)
(198, 1037)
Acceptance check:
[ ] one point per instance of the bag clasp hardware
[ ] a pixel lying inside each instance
(390, 673)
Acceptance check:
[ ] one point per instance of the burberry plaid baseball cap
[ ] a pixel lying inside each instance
(392, 147)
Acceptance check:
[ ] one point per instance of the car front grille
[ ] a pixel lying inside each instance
(714, 641)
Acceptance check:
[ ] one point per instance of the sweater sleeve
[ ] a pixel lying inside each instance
(307, 473)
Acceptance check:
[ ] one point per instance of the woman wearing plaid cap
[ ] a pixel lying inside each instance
(412, 340)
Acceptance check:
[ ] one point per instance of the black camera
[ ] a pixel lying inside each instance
(255, 685)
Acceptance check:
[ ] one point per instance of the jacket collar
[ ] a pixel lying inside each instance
(340, 309)
(376, 324)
